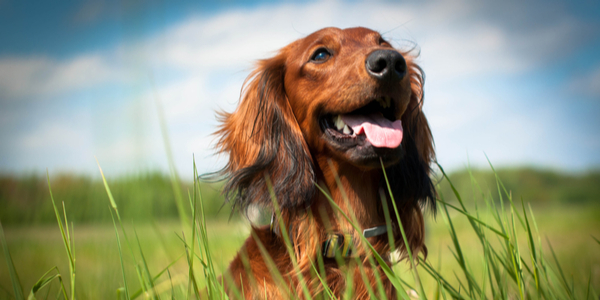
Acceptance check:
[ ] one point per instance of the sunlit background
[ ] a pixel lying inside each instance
(518, 81)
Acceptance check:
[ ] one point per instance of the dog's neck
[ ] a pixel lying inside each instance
(356, 193)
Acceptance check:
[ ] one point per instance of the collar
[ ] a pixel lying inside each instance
(342, 242)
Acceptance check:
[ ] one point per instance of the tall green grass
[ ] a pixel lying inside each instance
(536, 186)
(504, 256)
(149, 196)
(142, 197)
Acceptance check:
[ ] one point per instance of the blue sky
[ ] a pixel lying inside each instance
(518, 81)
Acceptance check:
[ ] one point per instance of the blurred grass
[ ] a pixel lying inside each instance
(536, 186)
(568, 228)
(567, 212)
(40, 247)
(140, 197)
(149, 196)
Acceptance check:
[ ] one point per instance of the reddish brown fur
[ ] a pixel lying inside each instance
(275, 133)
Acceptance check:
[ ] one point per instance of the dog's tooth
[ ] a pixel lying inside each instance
(338, 122)
(347, 130)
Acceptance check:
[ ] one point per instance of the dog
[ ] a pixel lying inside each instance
(315, 129)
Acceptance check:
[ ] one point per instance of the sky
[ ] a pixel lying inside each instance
(516, 81)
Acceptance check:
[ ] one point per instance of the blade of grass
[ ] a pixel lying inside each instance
(459, 254)
(506, 192)
(146, 270)
(323, 281)
(516, 257)
(44, 280)
(287, 238)
(125, 285)
(171, 281)
(532, 252)
(589, 285)
(71, 243)
(354, 223)
(496, 231)
(192, 278)
(562, 275)
(273, 270)
(191, 275)
(396, 281)
(429, 269)
(65, 238)
(406, 244)
(12, 271)
(202, 237)
(113, 204)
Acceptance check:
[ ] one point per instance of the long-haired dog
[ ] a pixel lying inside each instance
(314, 125)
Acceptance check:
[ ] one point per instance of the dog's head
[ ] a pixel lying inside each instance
(345, 95)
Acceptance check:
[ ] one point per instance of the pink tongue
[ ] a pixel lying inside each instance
(380, 131)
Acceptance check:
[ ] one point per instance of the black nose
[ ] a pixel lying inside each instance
(386, 65)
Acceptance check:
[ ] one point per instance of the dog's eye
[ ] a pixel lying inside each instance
(321, 55)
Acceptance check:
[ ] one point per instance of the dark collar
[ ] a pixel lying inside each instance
(344, 243)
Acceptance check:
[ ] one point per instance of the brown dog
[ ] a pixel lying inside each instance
(335, 104)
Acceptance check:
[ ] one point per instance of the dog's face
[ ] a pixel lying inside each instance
(348, 90)
(344, 95)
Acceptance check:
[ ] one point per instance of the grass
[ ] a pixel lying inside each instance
(146, 196)
(483, 244)
(38, 248)
(140, 197)
(535, 186)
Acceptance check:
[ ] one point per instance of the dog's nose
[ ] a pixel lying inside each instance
(386, 65)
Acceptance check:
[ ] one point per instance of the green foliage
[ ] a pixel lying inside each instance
(14, 277)
(150, 196)
(141, 197)
(495, 250)
(536, 186)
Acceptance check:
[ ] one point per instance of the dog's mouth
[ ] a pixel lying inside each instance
(374, 124)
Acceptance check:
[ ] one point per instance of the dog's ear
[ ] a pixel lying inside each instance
(263, 140)
(410, 178)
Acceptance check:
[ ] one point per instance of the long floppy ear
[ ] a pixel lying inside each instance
(262, 139)
(410, 178)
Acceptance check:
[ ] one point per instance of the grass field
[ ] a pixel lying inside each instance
(569, 227)
(36, 249)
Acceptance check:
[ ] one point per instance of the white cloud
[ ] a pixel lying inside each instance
(235, 39)
(200, 63)
(41, 76)
(52, 135)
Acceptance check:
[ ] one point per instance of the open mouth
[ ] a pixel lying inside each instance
(374, 123)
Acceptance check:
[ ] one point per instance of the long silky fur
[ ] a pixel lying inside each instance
(279, 153)
(410, 179)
